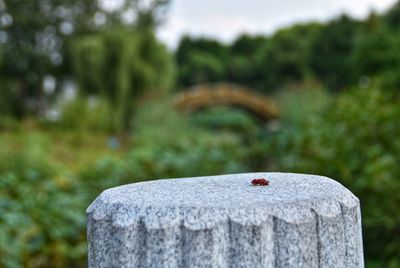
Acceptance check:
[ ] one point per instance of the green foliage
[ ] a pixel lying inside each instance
(284, 59)
(378, 53)
(354, 141)
(42, 205)
(40, 224)
(378, 56)
(8, 123)
(243, 67)
(298, 104)
(161, 150)
(139, 64)
(332, 50)
(264, 63)
(34, 39)
(338, 54)
(10, 104)
(94, 114)
(36, 32)
(226, 119)
(183, 151)
(200, 60)
(392, 17)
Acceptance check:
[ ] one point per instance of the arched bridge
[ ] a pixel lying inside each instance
(207, 95)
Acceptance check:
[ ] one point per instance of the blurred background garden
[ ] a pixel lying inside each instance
(88, 94)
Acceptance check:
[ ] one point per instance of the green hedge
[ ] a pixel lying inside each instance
(41, 215)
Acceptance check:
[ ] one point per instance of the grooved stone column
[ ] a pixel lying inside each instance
(223, 221)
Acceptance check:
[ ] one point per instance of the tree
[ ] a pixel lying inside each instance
(332, 50)
(200, 60)
(122, 65)
(392, 16)
(378, 56)
(33, 35)
(243, 68)
(284, 59)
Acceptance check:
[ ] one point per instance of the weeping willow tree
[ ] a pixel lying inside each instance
(119, 66)
(33, 37)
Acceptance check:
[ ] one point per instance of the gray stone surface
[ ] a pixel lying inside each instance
(224, 221)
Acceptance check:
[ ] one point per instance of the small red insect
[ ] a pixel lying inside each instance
(260, 182)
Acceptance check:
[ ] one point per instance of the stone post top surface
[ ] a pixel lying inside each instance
(202, 202)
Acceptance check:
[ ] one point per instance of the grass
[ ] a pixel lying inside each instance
(69, 149)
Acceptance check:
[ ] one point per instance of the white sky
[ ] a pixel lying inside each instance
(226, 19)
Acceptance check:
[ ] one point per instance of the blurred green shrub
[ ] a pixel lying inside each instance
(11, 105)
(354, 140)
(298, 104)
(172, 147)
(94, 114)
(226, 118)
(8, 123)
(42, 219)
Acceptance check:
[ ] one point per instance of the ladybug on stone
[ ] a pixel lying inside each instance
(260, 182)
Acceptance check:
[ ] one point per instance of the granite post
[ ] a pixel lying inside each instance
(224, 221)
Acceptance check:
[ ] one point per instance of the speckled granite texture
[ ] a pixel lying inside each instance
(224, 221)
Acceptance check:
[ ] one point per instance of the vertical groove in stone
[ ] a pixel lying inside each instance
(274, 238)
(220, 236)
(163, 247)
(319, 242)
(173, 253)
(267, 232)
(251, 245)
(155, 241)
(197, 247)
(205, 247)
(295, 243)
(230, 260)
(100, 247)
(331, 240)
(91, 238)
(245, 250)
(181, 246)
(353, 237)
(129, 244)
(142, 241)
